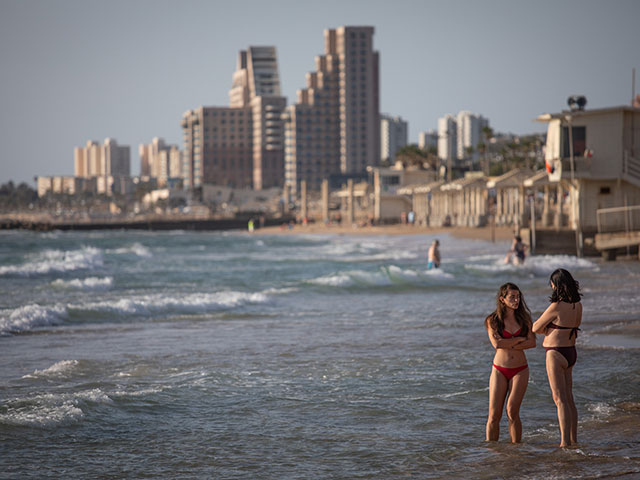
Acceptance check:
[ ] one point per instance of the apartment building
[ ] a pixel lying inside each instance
(160, 161)
(394, 133)
(459, 136)
(109, 163)
(95, 160)
(470, 126)
(428, 139)
(334, 127)
(241, 145)
(447, 138)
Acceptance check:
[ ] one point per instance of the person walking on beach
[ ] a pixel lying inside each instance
(433, 256)
(559, 323)
(509, 329)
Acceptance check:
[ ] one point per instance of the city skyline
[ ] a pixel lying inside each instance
(79, 71)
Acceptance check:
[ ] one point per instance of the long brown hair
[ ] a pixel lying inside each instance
(495, 320)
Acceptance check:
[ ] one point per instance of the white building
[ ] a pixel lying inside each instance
(428, 139)
(393, 136)
(447, 138)
(469, 127)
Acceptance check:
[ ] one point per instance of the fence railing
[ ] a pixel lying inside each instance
(618, 219)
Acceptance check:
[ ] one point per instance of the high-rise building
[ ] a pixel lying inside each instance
(109, 165)
(447, 138)
(469, 134)
(241, 145)
(155, 159)
(96, 160)
(334, 127)
(427, 140)
(393, 136)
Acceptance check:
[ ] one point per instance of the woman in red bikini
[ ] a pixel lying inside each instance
(509, 328)
(559, 324)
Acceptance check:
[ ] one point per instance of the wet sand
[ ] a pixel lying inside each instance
(479, 233)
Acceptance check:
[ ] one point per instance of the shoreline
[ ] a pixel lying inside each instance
(477, 233)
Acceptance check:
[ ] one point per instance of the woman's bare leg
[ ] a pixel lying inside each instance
(516, 393)
(556, 368)
(498, 386)
(572, 406)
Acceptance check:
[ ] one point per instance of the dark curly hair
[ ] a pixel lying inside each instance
(495, 320)
(565, 287)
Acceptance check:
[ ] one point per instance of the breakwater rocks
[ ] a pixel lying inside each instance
(45, 223)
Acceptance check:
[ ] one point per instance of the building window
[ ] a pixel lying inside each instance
(579, 135)
(605, 190)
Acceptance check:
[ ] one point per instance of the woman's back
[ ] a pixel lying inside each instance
(563, 329)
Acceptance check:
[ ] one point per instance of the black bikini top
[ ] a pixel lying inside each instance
(574, 330)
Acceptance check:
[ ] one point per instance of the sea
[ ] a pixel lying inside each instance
(230, 355)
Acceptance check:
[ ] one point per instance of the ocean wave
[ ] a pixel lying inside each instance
(59, 369)
(537, 265)
(192, 303)
(385, 276)
(50, 410)
(57, 261)
(136, 249)
(89, 283)
(30, 316)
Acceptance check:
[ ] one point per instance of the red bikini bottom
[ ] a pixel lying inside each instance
(509, 373)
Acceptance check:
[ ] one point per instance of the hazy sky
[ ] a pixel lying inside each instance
(74, 70)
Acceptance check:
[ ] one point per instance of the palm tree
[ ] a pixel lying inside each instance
(487, 131)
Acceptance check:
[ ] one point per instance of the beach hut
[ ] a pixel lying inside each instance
(510, 198)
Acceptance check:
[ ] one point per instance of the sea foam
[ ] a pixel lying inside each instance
(51, 410)
(191, 303)
(30, 316)
(89, 283)
(59, 369)
(57, 261)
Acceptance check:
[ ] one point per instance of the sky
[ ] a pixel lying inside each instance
(78, 70)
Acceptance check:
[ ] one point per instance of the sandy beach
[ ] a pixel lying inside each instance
(479, 233)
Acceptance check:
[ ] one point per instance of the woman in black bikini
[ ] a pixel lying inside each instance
(559, 324)
(509, 329)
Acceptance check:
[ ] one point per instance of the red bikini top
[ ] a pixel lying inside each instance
(508, 334)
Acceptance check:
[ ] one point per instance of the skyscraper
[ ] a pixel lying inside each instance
(469, 134)
(393, 136)
(241, 145)
(334, 127)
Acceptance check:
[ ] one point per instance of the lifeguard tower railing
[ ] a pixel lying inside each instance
(618, 219)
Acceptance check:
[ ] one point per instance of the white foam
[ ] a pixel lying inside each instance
(59, 369)
(57, 261)
(89, 283)
(51, 409)
(192, 303)
(339, 280)
(538, 265)
(31, 316)
(136, 248)
(280, 291)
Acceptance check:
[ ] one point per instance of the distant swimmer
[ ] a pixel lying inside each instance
(433, 257)
(517, 253)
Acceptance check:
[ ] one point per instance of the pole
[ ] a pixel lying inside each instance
(533, 224)
(575, 204)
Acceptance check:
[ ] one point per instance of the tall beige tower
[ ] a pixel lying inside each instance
(334, 127)
(241, 145)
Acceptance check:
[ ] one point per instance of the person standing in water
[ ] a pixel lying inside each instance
(433, 256)
(517, 252)
(559, 323)
(509, 329)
